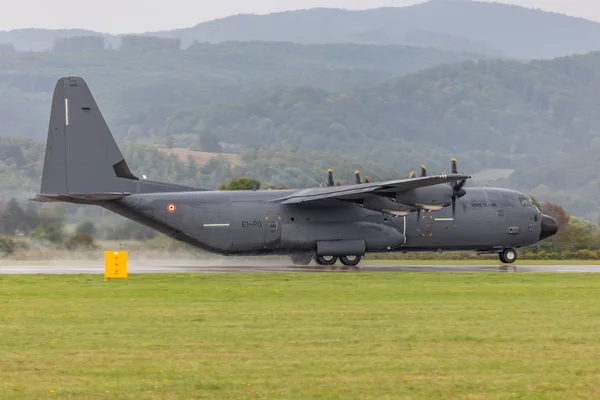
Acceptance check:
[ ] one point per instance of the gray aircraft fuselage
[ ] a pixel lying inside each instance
(247, 222)
(84, 165)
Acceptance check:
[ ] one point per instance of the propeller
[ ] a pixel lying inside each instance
(423, 173)
(413, 175)
(331, 182)
(457, 187)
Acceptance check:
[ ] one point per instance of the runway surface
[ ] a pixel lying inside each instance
(149, 268)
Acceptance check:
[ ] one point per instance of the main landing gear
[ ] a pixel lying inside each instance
(348, 261)
(326, 260)
(304, 259)
(508, 256)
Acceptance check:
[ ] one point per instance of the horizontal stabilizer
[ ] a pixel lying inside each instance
(75, 197)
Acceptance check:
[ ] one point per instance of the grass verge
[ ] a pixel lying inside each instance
(300, 336)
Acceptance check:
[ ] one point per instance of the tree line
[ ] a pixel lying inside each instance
(529, 117)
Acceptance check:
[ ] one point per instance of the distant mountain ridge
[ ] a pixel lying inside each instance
(42, 39)
(468, 26)
(129, 83)
(492, 28)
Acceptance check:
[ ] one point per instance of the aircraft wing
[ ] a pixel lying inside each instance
(364, 190)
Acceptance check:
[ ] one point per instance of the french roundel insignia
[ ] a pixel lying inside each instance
(171, 207)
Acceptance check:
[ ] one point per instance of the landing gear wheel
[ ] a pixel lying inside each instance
(508, 256)
(351, 261)
(301, 259)
(326, 260)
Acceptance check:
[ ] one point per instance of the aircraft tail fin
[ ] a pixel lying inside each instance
(82, 158)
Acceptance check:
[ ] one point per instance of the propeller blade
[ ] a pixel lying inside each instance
(357, 176)
(412, 175)
(454, 166)
(423, 170)
(367, 179)
(460, 184)
(330, 178)
(457, 189)
(457, 186)
(453, 208)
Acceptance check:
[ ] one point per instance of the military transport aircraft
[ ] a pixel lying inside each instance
(84, 165)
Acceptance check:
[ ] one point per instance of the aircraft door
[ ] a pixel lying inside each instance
(414, 228)
(427, 225)
(521, 221)
(273, 227)
(249, 225)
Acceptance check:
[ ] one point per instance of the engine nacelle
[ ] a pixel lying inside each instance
(386, 206)
(432, 198)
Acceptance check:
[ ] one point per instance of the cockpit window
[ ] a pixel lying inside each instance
(525, 202)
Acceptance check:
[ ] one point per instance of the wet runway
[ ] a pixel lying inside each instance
(191, 267)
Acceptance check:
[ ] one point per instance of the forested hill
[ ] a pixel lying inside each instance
(572, 179)
(492, 28)
(497, 112)
(21, 163)
(336, 103)
(489, 113)
(140, 86)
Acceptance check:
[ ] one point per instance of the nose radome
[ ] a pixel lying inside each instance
(549, 227)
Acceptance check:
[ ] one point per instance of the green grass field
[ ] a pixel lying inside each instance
(301, 336)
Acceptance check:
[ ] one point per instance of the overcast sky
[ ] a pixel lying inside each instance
(133, 16)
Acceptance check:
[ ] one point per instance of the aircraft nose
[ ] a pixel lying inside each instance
(549, 227)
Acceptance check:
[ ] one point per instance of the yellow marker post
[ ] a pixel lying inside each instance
(115, 265)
